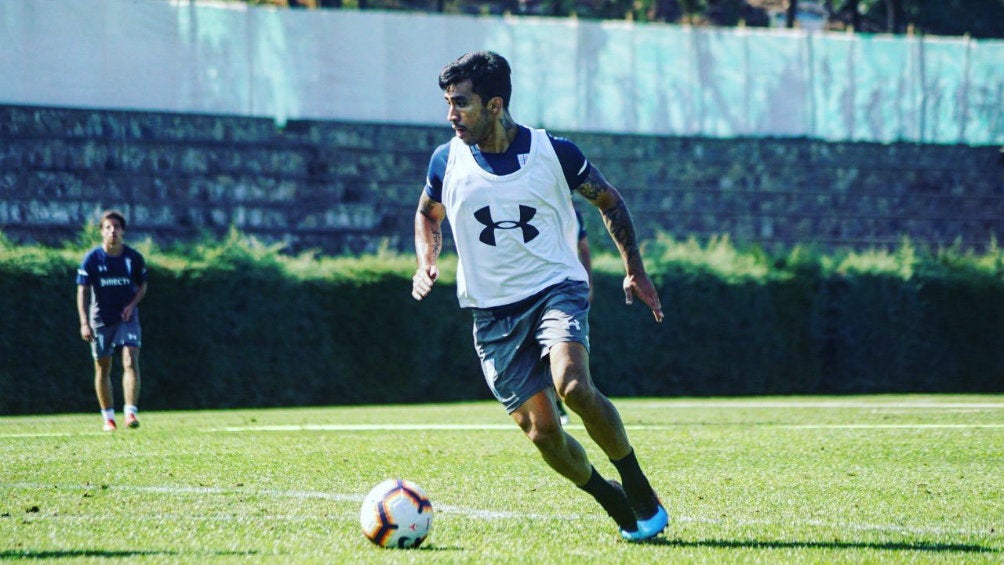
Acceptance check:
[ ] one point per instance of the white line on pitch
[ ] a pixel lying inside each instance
(888, 426)
(508, 427)
(740, 404)
(365, 427)
(51, 434)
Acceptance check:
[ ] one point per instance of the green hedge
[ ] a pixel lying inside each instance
(234, 324)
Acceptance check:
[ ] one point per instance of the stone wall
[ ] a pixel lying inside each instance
(352, 187)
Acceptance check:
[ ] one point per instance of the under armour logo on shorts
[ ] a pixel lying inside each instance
(526, 213)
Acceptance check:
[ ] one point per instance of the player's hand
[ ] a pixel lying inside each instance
(642, 287)
(86, 333)
(421, 283)
(127, 312)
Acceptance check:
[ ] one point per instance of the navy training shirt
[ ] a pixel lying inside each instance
(114, 281)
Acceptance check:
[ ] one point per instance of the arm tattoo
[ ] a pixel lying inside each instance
(616, 217)
(591, 189)
(621, 228)
(427, 208)
(437, 242)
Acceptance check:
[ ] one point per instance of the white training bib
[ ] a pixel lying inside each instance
(515, 234)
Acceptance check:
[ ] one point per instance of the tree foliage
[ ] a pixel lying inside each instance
(981, 19)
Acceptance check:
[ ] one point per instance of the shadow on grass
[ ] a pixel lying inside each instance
(21, 554)
(887, 546)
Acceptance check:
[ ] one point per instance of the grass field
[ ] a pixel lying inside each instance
(877, 479)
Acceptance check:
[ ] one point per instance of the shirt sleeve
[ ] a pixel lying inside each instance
(573, 163)
(139, 274)
(437, 170)
(83, 278)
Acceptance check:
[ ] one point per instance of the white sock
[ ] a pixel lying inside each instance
(130, 409)
(108, 414)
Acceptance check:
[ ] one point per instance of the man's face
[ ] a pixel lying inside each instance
(468, 114)
(111, 232)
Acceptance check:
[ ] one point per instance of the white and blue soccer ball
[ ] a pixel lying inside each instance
(396, 513)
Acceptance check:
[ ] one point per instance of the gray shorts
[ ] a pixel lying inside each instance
(513, 341)
(108, 338)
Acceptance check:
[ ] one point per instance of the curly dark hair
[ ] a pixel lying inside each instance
(488, 72)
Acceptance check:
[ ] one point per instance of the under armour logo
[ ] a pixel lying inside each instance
(570, 323)
(526, 213)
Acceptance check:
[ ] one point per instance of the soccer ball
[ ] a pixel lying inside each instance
(396, 513)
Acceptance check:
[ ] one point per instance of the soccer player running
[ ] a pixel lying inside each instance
(111, 282)
(507, 192)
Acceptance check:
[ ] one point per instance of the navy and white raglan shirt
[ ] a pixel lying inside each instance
(513, 222)
(114, 281)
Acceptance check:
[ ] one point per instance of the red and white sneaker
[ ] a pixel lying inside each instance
(132, 421)
(110, 426)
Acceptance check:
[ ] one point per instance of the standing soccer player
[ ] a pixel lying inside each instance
(507, 192)
(111, 282)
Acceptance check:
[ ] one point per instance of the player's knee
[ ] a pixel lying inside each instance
(130, 358)
(545, 436)
(577, 394)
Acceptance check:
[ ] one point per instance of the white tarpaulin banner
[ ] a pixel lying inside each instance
(568, 74)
